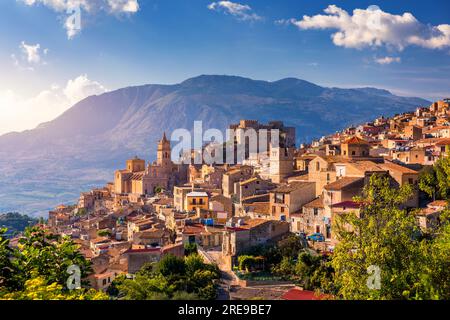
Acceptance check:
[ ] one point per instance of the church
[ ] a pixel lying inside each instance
(139, 180)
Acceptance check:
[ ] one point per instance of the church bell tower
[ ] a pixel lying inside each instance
(164, 152)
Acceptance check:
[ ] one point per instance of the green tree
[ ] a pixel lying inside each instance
(171, 265)
(315, 272)
(435, 180)
(190, 248)
(7, 268)
(49, 256)
(39, 289)
(290, 246)
(286, 268)
(104, 233)
(172, 278)
(383, 236)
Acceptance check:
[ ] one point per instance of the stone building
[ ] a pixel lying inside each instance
(289, 198)
(140, 180)
(355, 147)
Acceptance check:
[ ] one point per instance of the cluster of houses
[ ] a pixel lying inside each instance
(160, 208)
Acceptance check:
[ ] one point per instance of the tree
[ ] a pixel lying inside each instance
(16, 223)
(171, 265)
(428, 181)
(38, 289)
(382, 238)
(7, 268)
(315, 273)
(435, 180)
(190, 248)
(41, 254)
(286, 268)
(104, 233)
(290, 246)
(172, 278)
(113, 290)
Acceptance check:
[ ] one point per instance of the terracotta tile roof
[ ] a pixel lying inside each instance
(297, 294)
(193, 229)
(355, 140)
(164, 201)
(345, 182)
(260, 207)
(143, 250)
(295, 185)
(438, 203)
(334, 159)
(347, 204)
(316, 203)
(252, 223)
(443, 142)
(366, 166)
(390, 166)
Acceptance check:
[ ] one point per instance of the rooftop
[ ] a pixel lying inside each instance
(295, 185)
(355, 140)
(297, 294)
(316, 203)
(344, 183)
(197, 194)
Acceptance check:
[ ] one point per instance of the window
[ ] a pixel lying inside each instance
(282, 209)
(328, 177)
(104, 282)
(200, 201)
(411, 181)
(345, 153)
(316, 211)
(273, 210)
(317, 166)
(194, 201)
(279, 198)
(353, 153)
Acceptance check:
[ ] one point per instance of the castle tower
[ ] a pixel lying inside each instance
(164, 152)
(281, 163)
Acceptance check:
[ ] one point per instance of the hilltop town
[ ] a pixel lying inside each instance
(150, 210)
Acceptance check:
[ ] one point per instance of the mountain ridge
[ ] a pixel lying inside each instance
(60, 158)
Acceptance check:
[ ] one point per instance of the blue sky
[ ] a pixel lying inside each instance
(132, 42)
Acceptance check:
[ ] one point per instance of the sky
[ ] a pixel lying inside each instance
(53, 53)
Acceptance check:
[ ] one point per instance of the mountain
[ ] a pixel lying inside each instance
(53, 163)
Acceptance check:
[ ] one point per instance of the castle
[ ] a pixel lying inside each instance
(139, 180)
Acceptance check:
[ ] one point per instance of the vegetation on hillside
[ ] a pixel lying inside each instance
(15, 222)
(37, 268)
(382, 255)
(172, 278)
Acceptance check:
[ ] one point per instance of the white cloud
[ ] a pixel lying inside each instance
(387, 60)
(71, 10)
(130, 6)
(240, 11)
(32, 52)
(81, 87)
(19, 113)
(31, 55)
(373, 27)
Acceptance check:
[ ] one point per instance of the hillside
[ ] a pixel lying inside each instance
(51, 164)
